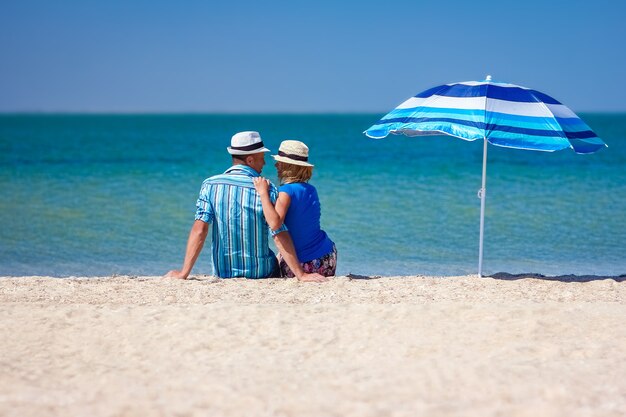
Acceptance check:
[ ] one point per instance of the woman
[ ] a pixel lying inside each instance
(298, 207)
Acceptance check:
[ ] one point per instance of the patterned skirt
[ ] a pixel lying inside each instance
(326, 265)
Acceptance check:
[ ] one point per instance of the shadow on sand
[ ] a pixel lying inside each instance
(356, 276)
(505, 276)
(562, 278)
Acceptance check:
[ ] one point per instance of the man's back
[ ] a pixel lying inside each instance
(240, 233)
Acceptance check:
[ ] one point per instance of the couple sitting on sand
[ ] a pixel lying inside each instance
(245, 208)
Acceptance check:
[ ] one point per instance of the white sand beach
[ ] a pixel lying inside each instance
(397, 346)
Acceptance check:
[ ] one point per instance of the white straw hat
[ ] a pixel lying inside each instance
(293, 152)
(246, 143)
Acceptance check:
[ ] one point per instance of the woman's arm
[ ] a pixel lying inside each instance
(275, 216)
(288, 251)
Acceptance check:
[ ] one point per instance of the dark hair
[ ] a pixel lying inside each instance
(241, 158)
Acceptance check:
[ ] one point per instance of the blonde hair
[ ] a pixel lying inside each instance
(290, 173)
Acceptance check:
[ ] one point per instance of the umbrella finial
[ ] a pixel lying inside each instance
(488, 78)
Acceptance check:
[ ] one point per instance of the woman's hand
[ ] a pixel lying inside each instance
(312, 278)
(261, 185)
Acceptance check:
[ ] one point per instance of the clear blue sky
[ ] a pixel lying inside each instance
(301, 56)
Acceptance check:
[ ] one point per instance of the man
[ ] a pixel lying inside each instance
(240, 233)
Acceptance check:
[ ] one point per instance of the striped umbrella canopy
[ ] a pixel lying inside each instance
(498, 113)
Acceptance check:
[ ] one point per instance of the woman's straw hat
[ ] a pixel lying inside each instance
(293, 152)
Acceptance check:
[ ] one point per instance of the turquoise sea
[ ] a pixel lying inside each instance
(87, 195)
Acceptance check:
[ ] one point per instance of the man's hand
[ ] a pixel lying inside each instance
(313, 278)
(197, 236)
(176, 274)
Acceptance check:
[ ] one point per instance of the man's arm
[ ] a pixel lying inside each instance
(197, 237)
(288, 251)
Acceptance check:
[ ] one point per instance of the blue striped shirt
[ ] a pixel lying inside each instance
(240, 233)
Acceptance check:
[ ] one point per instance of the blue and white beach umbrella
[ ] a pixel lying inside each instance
(502, 114)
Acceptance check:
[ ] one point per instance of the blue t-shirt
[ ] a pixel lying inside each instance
(303, 222)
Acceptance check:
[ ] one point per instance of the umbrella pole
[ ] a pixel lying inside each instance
(481, 194)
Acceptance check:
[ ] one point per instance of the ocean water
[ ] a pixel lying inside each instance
(89, 195)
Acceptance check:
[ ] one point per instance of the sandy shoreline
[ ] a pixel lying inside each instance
(403, 346)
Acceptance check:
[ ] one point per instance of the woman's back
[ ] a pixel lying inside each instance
(303, 221)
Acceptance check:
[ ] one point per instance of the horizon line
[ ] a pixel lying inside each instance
(220, 113)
